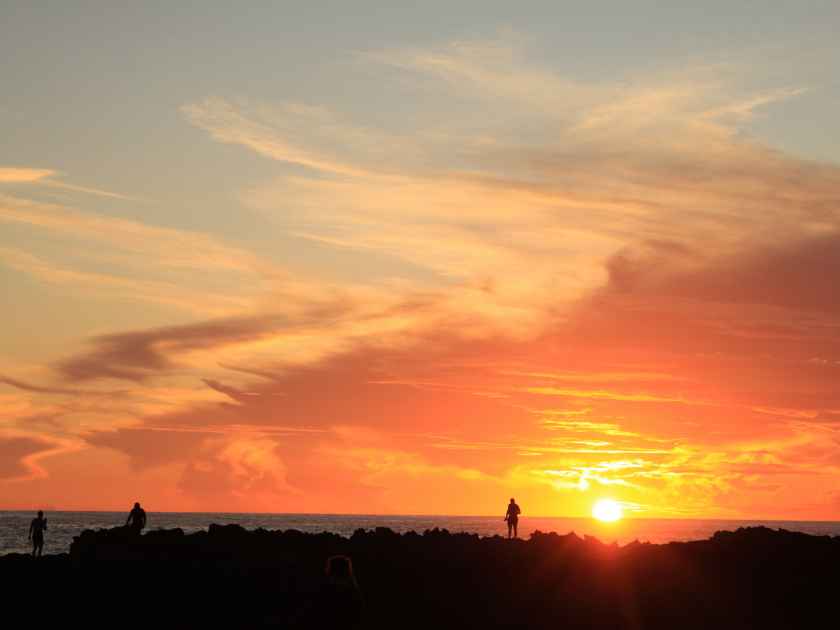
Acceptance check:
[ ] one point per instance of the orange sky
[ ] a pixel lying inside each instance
(524, 284)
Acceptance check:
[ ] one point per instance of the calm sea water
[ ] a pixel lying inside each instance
(62, 526)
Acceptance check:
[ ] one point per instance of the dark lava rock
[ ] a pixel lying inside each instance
(229, 577)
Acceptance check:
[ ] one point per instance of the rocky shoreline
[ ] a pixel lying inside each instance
(234, 578)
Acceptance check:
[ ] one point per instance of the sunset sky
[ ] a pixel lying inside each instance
(334, 257)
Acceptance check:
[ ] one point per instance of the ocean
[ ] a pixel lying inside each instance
(63, 526)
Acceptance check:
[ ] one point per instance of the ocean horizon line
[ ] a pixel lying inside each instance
(625, 517)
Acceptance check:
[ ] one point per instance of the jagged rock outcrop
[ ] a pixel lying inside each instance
(233, 578)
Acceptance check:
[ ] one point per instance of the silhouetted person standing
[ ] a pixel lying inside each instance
(512, 517)
(136, 519)
(36, 533)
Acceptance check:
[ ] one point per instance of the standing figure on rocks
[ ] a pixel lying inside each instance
(136, 519)
(512, 517)
(36, 533)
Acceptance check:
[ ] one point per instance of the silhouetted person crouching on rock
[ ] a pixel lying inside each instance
(512, 517)
(36, 533)
(136, 519)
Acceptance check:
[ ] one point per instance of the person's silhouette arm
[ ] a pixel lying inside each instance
(128, 520)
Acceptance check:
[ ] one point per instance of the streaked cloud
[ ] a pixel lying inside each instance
(156, 245)
(51, 179)
(599, 394)
(25, 454)
(15, 175)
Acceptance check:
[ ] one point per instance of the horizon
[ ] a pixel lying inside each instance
(524, 520)
(417, 260)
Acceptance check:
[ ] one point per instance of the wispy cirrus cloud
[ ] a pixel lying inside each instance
(599, 394)
(289, 133)
(16, 175)
(657, 160)
(50, 178)
(125, 287)
(157, 245)
(127, 260)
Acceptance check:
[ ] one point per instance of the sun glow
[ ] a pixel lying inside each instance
(607, 510)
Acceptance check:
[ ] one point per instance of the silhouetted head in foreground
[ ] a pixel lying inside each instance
(40, 514)
(511, 500)
(340, 569)
(137, 505)
(337, 603)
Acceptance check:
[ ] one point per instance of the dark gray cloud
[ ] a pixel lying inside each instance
(137, 355)
(29, 387)
(799, 275)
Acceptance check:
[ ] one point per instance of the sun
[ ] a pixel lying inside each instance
(606, 510)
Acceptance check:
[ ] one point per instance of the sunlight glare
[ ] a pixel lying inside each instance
(606, 510)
